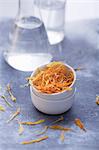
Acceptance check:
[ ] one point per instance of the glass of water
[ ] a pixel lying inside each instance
(28, 46)
(53, 16)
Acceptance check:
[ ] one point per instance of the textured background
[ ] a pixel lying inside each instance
(80, 49)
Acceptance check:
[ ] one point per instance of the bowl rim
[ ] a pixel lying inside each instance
(53, 94)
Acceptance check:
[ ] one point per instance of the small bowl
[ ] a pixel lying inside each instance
(52, 107)
(55, 103)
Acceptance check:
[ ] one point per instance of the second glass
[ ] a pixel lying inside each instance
(53, 16)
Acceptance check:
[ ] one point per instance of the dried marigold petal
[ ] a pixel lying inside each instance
(24, 85)
(6, 101)
(58, 127)
(35, 141)
(2, 108)
(79, 123)
(33, 123)
(62, 136)
(21, 129)
(14, 115)
(13, 98)
(97, 99)
(43, 131)
(58, 120)
(78, 69)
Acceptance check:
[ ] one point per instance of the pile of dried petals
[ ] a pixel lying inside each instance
(53, 78)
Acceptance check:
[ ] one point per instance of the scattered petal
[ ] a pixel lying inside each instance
(97, 99)
(62, 136)
(21, 129)
(13, 98)
(2, 108)
(58, 120)
(78, 69)
(35, 141)
(5, 99)
(43, 131)
(24, 85)
(79, 123)
(33, 123)
(14, 115)
(57, 127)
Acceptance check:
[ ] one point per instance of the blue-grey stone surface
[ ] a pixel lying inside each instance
(80, 48)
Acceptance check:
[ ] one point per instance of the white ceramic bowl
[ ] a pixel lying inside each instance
(56, 103)
(52, 107)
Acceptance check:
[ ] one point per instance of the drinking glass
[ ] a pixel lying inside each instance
(53, 16)
(28, 46)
